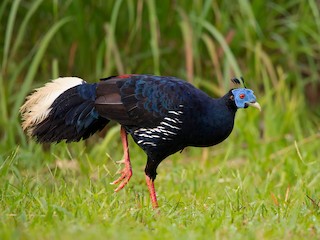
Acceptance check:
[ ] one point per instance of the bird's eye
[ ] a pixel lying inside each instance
(242, 95)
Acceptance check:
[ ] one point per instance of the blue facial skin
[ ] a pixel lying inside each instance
(247, 94)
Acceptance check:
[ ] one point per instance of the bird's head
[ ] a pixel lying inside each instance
(243, 97)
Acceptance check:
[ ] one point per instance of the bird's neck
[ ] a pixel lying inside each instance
(215, 123)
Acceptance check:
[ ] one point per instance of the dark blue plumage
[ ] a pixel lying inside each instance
(162, 114)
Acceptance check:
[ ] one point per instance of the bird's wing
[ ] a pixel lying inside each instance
(140, 100)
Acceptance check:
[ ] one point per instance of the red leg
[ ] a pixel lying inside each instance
(152, 192)
(126, 172)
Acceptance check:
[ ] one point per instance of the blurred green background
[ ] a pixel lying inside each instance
(269, 164)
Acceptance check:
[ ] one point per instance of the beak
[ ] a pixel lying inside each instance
(255, 105)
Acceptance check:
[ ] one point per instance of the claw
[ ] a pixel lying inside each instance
(124, 179)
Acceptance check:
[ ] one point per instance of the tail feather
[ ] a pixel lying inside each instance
(62, 110)
(37, 105)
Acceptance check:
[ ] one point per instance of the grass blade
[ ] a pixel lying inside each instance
(187, 34)
(219, 37)
(23, 27)
(8, 34)
(25, 87)
(154, 30)
(111, 45)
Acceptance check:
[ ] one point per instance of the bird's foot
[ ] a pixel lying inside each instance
(126, 174)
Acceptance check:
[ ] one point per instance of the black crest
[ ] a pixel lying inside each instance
(238, 81)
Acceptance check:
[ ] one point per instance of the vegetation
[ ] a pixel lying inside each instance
(261, 183)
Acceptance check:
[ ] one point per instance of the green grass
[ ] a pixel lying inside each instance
(261, 183)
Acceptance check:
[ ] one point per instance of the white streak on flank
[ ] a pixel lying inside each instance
(157, 130)
(140, 141)
(174, 112)
(141, 130)
(167, 124)
(178, 120)
(37, 105)
(169, 132)
(144, 135)
(149, 143)
(148, 136)
(170, 120)
(181, 105)
(164, 138)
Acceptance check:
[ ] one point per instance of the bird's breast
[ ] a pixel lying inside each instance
(210, 129)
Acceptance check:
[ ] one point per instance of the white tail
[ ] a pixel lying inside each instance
(37, 105)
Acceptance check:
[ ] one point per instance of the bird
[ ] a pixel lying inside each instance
(163, 115)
